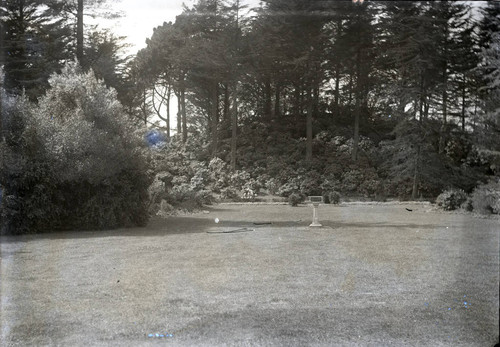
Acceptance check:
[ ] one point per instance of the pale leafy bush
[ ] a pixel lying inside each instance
(252, 185)
(294, 199)
(486, 198)
(219, 173)
(248, 194)
(201, 179)
(239, 179)
(85, 166)
(451, 199)
(351, 180)
(310, 185)
(334, 197)
(292, 186)
(228, 193)
(272, 186)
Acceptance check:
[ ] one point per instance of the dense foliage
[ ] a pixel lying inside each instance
(373, 99)
(368, 99)
(72, 161)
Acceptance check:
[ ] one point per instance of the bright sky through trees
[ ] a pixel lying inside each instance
(141, 16)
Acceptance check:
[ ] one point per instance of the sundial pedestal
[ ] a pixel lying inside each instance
(315, 200)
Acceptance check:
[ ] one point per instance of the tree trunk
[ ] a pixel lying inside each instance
(234, 127)
(79, 33)
(179, 113)
(267, 101)
(357, 110)
(144, 107)
(337, 91)
(297, 108)
(350, 90)
(184, 117)
(309, 130)
(442, 135)
(169, 91)
(415, 176)
(463, 107)
(356, 130)
(226, 113)
(422, 100)
(215, 117)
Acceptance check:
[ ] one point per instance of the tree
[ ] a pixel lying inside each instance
(34, 46)
(488, 129)
(104, 55)
(357, 37)
(73, 11)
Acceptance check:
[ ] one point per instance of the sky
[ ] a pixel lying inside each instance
(138, 19)
(141, 16)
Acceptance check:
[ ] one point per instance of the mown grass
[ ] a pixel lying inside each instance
(373, 275)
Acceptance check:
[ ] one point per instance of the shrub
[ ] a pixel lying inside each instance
(467, 205)
(239, 179)
(290, 187)
(249, 194)
(294, 199)
(228, 193)
(219, 173)
(486, 198)
(204, 197)
(334, 197)
(310, 185)
(272, 186)
(77, 160)
(201, 179)
(451, 199)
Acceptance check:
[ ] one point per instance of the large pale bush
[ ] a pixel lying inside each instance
(78, 162)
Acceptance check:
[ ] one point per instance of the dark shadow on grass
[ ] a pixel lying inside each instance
(338, 225)
(200, 224)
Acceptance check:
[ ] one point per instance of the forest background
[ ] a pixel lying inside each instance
(367, 100)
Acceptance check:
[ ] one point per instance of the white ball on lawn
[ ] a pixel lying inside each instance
(216, 220)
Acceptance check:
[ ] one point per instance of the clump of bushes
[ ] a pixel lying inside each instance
(451, 199)
(294, 199)
(74, 160)
(334, 197)
(486, 198)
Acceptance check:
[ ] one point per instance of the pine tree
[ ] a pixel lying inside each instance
(33, 46)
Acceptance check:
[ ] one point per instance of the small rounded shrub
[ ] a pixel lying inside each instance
(272, 186)
(204, 197)
(451, 199)
(486, 198)
(228, 193)
(294, 199)
(249, 194)
(334, 197)
(290, 187)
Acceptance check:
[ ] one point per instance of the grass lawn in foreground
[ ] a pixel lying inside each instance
(374, 275)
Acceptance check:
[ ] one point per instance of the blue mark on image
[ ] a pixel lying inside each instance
(156, 138)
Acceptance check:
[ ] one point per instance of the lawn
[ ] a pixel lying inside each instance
(372, 275)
